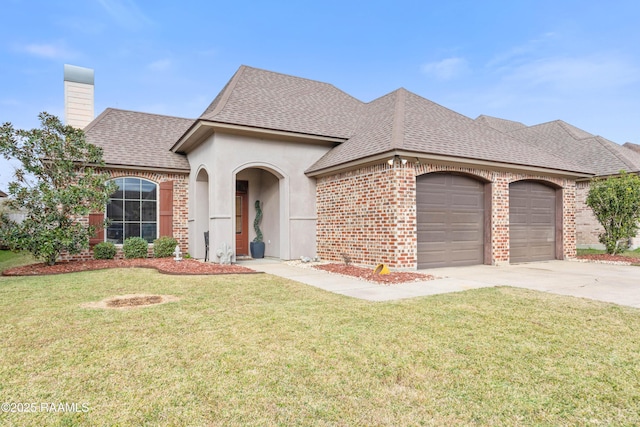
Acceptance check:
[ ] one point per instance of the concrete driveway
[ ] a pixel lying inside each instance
(618, 284)
(603, 282)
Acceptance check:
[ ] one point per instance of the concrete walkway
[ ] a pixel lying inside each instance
(603, 282)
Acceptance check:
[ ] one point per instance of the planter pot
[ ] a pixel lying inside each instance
(257, 249)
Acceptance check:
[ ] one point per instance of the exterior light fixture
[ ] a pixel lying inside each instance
(392, 161)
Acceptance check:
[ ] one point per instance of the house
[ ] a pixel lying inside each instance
(399, 180)
(603, 157)
(3, 195)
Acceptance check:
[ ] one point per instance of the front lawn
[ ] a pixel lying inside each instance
(259, 350)
(10, 259)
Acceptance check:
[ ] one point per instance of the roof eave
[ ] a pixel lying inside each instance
(448, 160)
(146, 168)
(203, 128)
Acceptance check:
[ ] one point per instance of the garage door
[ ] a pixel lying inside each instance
(532, 221)
(450, 210)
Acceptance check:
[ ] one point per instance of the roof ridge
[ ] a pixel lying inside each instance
(568, 128)
(226, 93)
(606, 144)
(247, 67)
(397, 130)
(96, 120)
(143, 112)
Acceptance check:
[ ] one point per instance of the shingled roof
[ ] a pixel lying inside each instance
(129, 138)
(263, 101)
(502, 125)
(632, 146)
(268, 100)
(599, 154)
(405, 121)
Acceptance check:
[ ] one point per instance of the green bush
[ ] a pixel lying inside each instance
(135, 247)
(164, 247)
(104, 250)
(615, 202)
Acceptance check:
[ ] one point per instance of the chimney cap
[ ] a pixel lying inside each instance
(73, 73)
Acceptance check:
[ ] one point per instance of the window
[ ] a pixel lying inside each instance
(133, 210)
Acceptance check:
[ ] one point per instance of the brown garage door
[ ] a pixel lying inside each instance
(532, 221)
(450, 210)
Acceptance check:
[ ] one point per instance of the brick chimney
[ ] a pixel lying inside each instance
(78, 95)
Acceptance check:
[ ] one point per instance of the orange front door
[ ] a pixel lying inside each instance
(242, 218)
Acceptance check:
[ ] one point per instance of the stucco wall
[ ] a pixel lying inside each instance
(275, 172)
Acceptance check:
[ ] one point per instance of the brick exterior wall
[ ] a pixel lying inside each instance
(180, 208)
(588, 227)
(369, 214)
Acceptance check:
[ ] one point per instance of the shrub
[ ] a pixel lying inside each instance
(164, 247)
(104, 250)
(135, 247)
(57, 179)
(616, 204)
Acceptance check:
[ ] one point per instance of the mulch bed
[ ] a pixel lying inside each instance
(610, 258)
(369, 275)
(163, 265)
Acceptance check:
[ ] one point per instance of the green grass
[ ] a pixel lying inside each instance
(260, 350)
(10, 259)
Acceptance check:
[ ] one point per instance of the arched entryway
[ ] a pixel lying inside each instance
(533, 221)
(450, 220)
(201, 214)
(263, 184)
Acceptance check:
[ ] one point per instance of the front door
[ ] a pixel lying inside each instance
(242, 218)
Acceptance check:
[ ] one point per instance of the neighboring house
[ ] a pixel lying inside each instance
(605, 158)
(17, 216)
(399, 180)
(631, 146)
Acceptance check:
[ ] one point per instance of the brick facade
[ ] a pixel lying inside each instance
(180, 207)
(588, 227)
(370, 215)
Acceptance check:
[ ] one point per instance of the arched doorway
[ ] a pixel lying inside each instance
(263, 184)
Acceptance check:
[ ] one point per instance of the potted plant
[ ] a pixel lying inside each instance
(257, 245)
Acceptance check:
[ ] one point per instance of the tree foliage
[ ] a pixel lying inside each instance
(57, 182)
(616, 204)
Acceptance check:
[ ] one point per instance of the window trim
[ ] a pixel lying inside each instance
(157, 220)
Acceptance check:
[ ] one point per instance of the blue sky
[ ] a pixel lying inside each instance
(530, 61)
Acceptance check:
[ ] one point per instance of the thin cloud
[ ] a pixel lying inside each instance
(446, 69)
(10, 102)
(126, 13)
(160, 65)
(57, 51)
(575, 73)
(524, 52)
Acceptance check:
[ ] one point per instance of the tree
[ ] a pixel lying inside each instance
(616, 204)
(57, 183)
